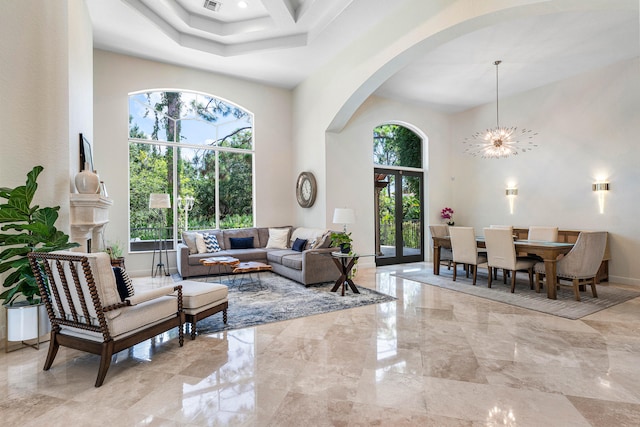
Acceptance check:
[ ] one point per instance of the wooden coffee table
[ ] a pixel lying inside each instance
(219, 261)
(251, 267)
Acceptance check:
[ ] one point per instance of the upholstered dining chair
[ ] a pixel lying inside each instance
(465, 251)
(547, 234)
(508, 227)
(442, 230)
(501, 254)
(580, 265)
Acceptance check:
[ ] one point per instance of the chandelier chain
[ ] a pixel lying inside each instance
(497, 97)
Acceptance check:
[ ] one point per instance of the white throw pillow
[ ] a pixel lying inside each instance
(278, 238)
(201, 244)
(189, 239)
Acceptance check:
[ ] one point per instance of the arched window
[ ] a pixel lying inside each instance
(191, 146)
(395, 145)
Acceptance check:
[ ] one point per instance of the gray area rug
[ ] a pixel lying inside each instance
(279, 298)
(565, 306)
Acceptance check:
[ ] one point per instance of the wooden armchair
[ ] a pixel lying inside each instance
(87, 314)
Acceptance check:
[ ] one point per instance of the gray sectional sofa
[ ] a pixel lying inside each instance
(311, 265)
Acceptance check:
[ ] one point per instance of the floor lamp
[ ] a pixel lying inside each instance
(160, 201)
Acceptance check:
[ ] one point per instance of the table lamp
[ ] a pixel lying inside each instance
(344, 216)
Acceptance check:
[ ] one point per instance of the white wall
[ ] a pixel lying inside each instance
(350, 165)
(45, 85)
(587, 126)
(115, 76)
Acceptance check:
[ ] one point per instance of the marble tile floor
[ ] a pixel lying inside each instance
(434, 357)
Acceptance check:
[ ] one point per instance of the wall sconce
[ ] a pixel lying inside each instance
(511, 194)
(600, 189)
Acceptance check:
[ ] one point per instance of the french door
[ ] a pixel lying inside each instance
(399, 216)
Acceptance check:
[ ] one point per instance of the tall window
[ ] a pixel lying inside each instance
(188, 145)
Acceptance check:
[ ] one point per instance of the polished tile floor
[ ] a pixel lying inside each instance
(432, 358)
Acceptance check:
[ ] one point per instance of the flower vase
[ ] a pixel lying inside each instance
(87, 182)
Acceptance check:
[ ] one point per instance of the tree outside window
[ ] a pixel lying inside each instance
(188, 144)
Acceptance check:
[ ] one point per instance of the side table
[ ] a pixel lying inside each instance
(345, 263)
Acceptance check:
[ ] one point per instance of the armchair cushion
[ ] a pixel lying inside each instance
(149, 295)
(123, 283)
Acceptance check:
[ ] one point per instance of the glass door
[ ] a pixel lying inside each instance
(399, 221)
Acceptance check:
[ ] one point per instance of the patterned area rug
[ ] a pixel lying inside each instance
(278, 298)
(565, 306)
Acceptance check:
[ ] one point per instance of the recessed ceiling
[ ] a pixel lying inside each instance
(282, 42)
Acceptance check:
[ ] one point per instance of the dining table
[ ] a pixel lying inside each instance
(548, 251)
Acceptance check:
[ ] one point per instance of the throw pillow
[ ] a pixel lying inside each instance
(123, 282)
(241, 242)
(324, 241)
(200, 243)
(299, 245)
(211, 243)
(189, 239)
(278, 238)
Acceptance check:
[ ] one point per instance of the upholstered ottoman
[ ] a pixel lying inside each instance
(201, 300)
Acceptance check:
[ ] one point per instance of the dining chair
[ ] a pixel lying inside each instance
(465, 251)
(580, 265)
(442, 230)
(509, 227)
(501, 254)
(547, 234)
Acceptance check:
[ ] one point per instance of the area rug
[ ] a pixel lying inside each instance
(279, 298)
(565, 306)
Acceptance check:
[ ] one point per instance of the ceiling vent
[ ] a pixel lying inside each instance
(213, 5)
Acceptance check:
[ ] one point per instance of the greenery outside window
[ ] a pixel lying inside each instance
(188, 144)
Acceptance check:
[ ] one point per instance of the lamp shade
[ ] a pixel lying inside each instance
(159, 200)
(344, 216)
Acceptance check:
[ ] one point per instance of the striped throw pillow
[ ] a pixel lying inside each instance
(212, 243)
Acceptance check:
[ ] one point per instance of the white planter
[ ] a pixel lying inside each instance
(26, 322)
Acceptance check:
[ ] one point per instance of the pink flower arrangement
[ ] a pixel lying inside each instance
(447, 213)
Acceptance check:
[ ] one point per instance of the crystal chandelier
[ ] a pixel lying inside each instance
(499, 141)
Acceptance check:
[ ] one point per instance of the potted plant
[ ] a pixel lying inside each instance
(343, 240)
(115, 251)
(23, 229)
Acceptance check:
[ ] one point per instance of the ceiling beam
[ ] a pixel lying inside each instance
(282, 11)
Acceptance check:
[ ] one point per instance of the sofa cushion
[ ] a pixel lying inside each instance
(324, 241)
(255, 254)
(211, 242)
(239, 233)
(189, 239)
(278, 238)
(299, 245)
(241, 243)
(201, 245)
(312, 235)
(293, 261)
(275, 256)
